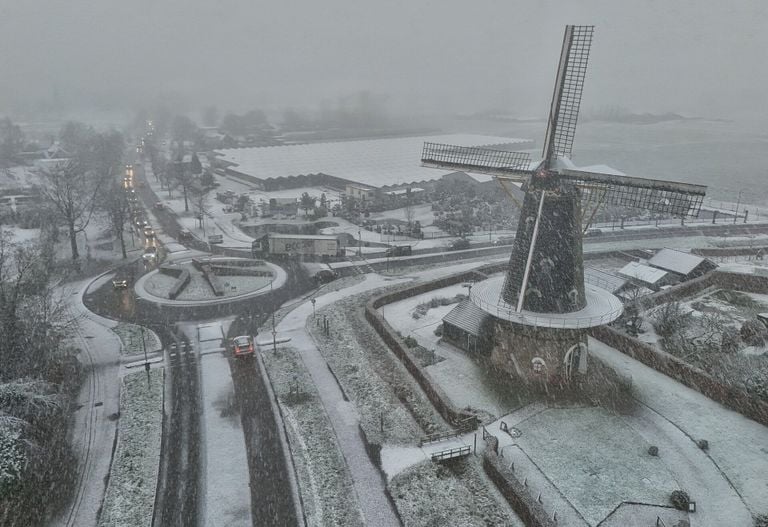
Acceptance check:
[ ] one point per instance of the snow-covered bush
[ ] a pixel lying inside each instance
(12, 457)
(729, 340)
(703, 444)
(680, 499)
(410, 342)
(761, 520)
(754, 333)
(670, 319)
(439, 330)
(653, 450)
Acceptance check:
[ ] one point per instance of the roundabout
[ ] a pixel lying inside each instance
(211, 280)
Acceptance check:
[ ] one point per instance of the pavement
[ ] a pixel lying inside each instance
(93, 432)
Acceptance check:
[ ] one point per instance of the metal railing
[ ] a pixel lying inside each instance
(451, 453)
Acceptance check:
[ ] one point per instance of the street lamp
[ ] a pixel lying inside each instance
(146, 360)
(738, 202)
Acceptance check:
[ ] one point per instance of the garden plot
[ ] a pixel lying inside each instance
(324, 480)
(433, 494)
(372, 376)
(466, 382)
(136, 339)
(595, 459)
(130, 496)
(718, 332)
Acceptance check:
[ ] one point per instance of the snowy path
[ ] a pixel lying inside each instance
(368, 483)
(676, 416)
(93, 433)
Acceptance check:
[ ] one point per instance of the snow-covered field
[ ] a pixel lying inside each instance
(680, 415)
(595, 459)
(130, 496)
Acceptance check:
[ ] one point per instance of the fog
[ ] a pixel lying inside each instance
(695, 57)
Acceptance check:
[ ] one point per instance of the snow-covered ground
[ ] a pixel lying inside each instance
(130, 497)
(136, 339)
(160, 284)
(227, 499)
(729, 480)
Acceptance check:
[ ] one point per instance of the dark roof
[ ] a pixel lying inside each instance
(467, 317)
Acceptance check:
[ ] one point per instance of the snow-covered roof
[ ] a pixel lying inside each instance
(468, 317)
(404, 191)
(675, 261)
(375, 162)
(643, 273)
(274, 235)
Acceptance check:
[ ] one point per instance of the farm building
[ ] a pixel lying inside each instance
(302, 246)
(646, 276)
(683, 265)
(373, 163)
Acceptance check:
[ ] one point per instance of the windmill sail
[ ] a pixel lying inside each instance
(566, 98)
(473, 159)
(667, 197)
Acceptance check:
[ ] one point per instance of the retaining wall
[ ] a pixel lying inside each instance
(520, 499)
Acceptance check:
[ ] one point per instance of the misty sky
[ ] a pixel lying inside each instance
(696, 57)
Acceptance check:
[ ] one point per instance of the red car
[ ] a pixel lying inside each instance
(242, 346)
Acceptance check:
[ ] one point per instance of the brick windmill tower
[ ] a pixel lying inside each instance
(542, 308)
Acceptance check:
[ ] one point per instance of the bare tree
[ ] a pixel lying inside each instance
(118, 210)
(200, 204)
(72, 191)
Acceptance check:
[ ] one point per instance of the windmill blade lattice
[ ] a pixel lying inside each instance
(474, 159)
(566, 98)
(667, 197)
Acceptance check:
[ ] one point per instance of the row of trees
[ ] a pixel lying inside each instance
(38, 375)
(75, 186)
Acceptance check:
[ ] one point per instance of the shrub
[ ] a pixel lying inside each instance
(439, 330)
(761, 520)
(670, 319)
(703, 444)
(410, 342)
(729, 340)
(753, 332)
(653, 450)
(680, 500)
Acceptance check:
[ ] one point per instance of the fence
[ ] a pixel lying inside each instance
(451, 453)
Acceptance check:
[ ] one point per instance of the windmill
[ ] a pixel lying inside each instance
(544, 284)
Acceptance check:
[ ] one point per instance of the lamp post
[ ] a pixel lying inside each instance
(359, 244)
(738, 202)
(274, 331)
(146, 361)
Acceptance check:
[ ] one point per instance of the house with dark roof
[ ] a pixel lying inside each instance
(469, 328)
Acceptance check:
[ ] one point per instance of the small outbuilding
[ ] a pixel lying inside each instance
(684, 265)
(469, 328)
(646, 276)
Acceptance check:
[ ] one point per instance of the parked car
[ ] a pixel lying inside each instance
(159, 205)
(593, 232)
(399, 250)
(325, 275)
(504, 240)
(185, 235)
(242, 346)
(458, 245)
